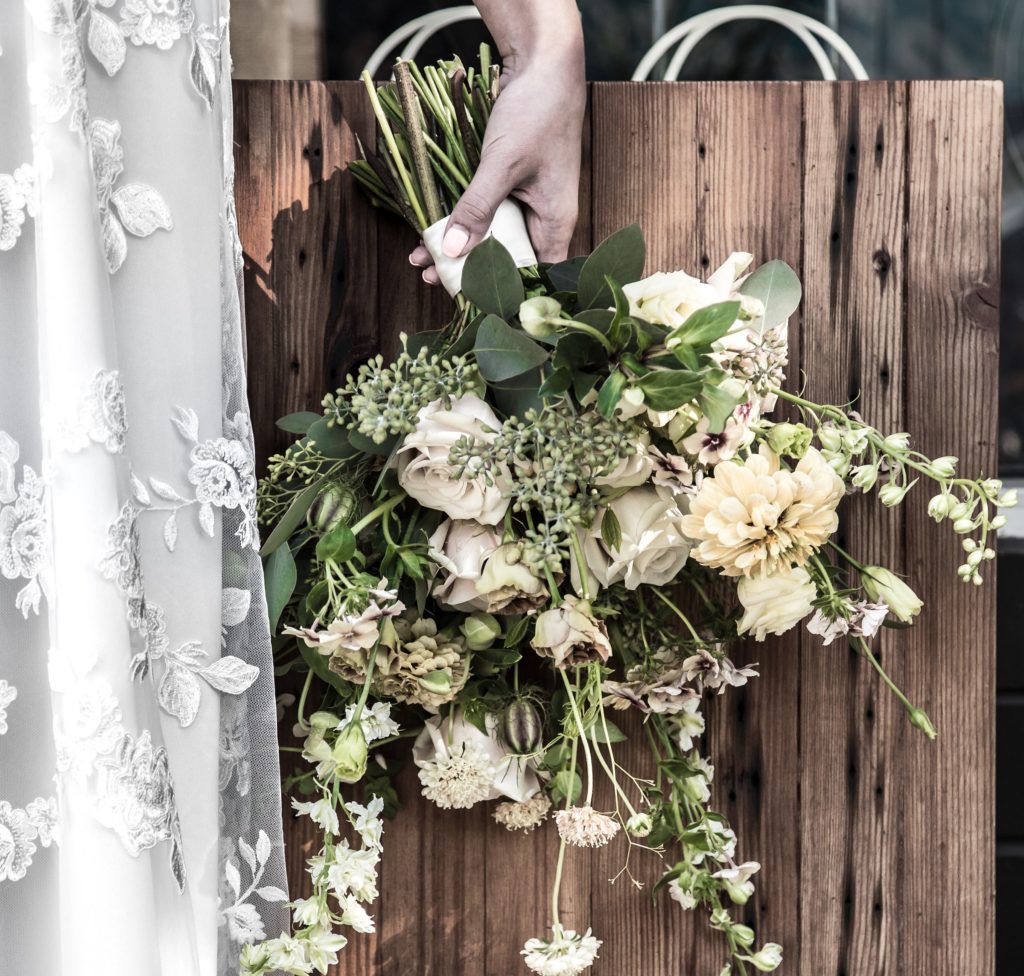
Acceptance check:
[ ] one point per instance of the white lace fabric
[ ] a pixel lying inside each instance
(140, 827)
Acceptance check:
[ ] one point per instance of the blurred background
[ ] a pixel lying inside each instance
(894, 39)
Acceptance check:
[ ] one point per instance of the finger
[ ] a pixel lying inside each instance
(474, 212)
(551, 229)
(430, 276)
(421, 258)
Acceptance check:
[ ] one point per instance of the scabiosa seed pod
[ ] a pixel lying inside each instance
(521, 728)
(335, 505)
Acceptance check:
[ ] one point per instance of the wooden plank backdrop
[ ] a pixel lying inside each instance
(876, 845)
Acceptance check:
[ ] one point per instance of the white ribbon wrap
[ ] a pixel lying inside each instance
(508, 227)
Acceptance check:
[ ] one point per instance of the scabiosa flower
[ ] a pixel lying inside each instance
(523, 816)
(459, 780)
(585, 827)
(565, 954)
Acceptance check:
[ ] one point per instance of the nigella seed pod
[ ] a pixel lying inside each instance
(521, 728)
(334, 505)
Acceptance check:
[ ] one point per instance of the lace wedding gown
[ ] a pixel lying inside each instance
(140, 826)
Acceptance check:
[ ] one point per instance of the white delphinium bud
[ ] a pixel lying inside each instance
(585, 827)
(1008, 499)
(639, 825)
(998, 522)
(897, 442)
(944, 467)
(939, 506)
(767, 960)
(884, 586)
(865, 476)
(892, 494)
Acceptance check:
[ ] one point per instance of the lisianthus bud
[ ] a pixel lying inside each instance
(886, 587)
(539, 316)
(333, 506)
(323, 720)
(639, 825)
(480, 630)
(919, 719)
(350, 752)
(521, 728)
(791, 439)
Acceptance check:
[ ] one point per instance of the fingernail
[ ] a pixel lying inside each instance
(455, 240)
(426, 277)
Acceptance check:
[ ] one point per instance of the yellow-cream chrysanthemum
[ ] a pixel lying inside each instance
(757, 517)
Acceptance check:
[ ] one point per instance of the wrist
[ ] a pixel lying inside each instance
(549, 40)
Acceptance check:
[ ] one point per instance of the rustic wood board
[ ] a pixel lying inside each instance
(884, 196)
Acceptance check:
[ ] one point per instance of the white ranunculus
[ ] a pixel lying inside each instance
(632, 470)
(460, 549)
(653, 548)
(775, 603)
(425, 472)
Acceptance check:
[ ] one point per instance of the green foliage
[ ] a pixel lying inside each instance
(777, 286)
(280, 577)
(491, 281)
(620, 257)
(503, 352)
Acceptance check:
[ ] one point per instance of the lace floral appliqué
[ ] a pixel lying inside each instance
(7, 695)
(99, 419)
(156, 22)
(19, 831)
(24, 529)
(17, 198)
(241, 917)
(136, 800)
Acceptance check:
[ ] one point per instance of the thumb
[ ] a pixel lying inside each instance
(474, 212)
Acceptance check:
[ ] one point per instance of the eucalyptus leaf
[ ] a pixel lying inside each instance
(621, 257)
(576, 350)
(280, 577)
(610, 393)
(367, 445)
(299, 423)
(717, 402)
(556, 383)
(669, 388)
(430, 340)
(516, 396)
(491, 280)
(779, 289)
(465, 342)
(503, 352)
(292, 518)
(331, 440)
(583, 384)
(565, 275)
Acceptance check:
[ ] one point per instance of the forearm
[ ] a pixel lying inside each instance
(531, 33)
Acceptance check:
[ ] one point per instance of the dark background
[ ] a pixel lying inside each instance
(894, 39)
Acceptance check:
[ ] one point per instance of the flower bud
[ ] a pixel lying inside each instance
(919, 719)
(830, 438)
(892, 494)
(539, 316)
(639, 825)
(865, 476)
(767, 960)
(943, 467)
(963, 525)
(480, 630)
(323, 720)
(998, 522)
(743, 934)
(896, 442)
(959, 510)
(350, 753)
(939, 506)
(886, 587)
(791, 439)
(521, 728)
(855, 440)
(1008, 499)
(334, 505)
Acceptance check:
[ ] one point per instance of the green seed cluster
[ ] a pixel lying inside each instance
(382, 401)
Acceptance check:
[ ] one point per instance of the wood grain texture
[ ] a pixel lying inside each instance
(876, 845)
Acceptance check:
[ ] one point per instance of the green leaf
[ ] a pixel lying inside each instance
(565, 275)
(583, 383)
(366, 445)
(597, 318)
(610, 393)
(778, 287)
(280, 577)
(503, 352)
(517, 395)
(611, 531)
(566, 784)
(317, 663)
(332, 440)
(465, 342)
(597, 733)
(620, 257)
(411, 563)
(717, 403)
(299, 423)
(292, 518)
(338, 545)
(669, 388)
(576, 350)
(491, 280)
(707, 324)
(430, 340)
(516, 631)
(557, 383)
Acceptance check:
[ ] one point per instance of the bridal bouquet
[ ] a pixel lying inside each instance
(570, 503)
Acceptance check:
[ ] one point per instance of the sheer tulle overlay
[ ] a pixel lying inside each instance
(140, 827)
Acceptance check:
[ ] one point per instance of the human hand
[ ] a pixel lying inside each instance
(531, 149)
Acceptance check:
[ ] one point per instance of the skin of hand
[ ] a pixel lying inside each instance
(531, 149)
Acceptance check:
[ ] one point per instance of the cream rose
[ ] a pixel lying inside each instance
(478, 572)
(653, 547)
(570, 634)
(425, 472)
(775, 603)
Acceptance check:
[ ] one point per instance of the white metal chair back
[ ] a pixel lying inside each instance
(417, 32)
(692, 31)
